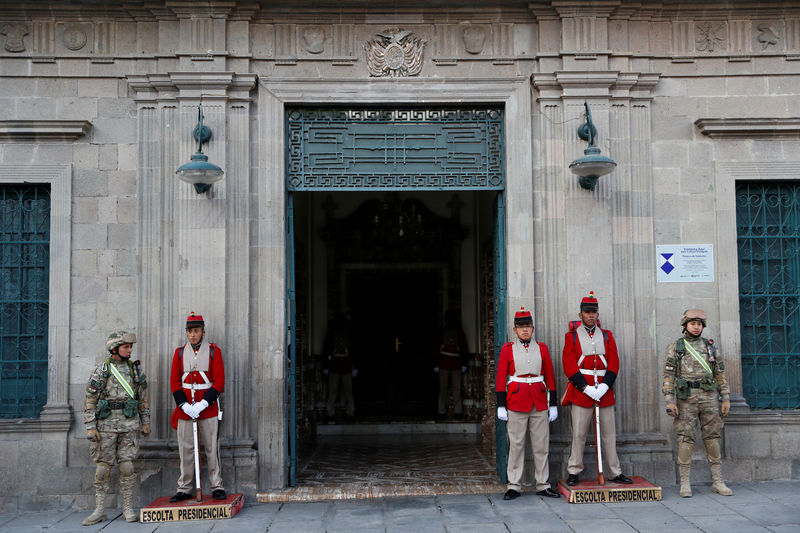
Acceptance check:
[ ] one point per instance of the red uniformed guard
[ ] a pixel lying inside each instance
(526, 384)
(452, 362)
(591, 363)
(197, 379)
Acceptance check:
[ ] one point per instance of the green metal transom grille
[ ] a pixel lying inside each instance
(395, 149)
(768, 228)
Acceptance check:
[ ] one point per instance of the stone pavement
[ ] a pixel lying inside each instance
(762, 506)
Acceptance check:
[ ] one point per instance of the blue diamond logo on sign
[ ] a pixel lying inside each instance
(667, 266)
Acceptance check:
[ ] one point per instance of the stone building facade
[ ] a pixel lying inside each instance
(99, 101)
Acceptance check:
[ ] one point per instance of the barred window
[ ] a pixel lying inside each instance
(24, 298)
(768, 230)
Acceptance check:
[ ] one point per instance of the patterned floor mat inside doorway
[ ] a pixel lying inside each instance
(374, 466)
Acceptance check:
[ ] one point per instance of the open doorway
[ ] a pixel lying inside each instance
(378, 272)
(393, 265)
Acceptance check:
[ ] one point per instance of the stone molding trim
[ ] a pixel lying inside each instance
(35, 131)
(269, 243)
(621, 104)
(173, 219)
(751, 128)
(56, 416)
(767, 417)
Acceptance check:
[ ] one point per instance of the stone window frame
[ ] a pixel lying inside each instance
(56, 416)
(726, 175)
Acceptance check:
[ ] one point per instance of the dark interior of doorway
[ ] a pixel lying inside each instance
(395, 312)
(353, 255)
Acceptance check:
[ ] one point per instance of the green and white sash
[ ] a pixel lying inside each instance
(122, 381)
(698, 358)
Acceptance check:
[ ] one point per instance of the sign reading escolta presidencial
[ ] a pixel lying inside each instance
(688, 263)
(162, 510)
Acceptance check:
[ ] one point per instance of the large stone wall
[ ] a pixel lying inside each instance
(662, 81)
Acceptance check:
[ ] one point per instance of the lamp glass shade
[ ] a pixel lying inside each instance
(199, 170)
(592, 164)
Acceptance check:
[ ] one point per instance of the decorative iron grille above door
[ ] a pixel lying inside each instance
(426, 149)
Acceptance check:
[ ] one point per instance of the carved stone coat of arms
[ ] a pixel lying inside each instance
(395, 53)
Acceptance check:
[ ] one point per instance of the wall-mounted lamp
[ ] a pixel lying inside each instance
(199, 172)
(592, 165)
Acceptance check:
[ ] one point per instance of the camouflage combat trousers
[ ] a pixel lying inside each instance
(702, 405)
(120, 446)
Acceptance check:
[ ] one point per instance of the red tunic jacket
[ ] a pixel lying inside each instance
(215, 374)
(572, 352)
(524, 397)
(452, 341)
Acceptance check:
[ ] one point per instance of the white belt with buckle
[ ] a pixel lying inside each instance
(196, 386)
(532, 379)
(601, 372)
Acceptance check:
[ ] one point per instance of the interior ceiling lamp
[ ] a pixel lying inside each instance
(199, 172)
(592, 165)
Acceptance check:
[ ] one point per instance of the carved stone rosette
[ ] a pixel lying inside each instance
(14, 32)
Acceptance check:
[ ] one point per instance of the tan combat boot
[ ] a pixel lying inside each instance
(101, 475)
(715, 462)
(685, 467)
(126, 484)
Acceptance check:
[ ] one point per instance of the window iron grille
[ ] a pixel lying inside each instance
(768, 229)
(24, 294)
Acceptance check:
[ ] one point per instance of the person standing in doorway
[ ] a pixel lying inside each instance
(526, 400)
(452, 363)
(339, 365)
(694, 382)
(197, 379)
(591, 364)
(117, 407)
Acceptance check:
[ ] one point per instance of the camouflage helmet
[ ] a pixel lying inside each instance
(118, 338)
(694, 314)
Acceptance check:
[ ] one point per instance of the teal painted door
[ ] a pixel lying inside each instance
(291, 340)
(501, 449)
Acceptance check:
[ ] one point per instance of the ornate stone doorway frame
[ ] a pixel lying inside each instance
(269, 224)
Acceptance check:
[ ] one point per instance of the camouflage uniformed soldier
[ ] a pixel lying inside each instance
(694, 376)
(117, 407)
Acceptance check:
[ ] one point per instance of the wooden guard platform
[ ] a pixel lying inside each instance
(587, 491)
(162, 510)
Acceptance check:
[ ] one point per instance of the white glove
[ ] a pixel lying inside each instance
(601, 390)
(502, 414)
(199, 407)
(463, 370)
(591, 391)
(354, 373)
(552, 413)
(436, 369)
(189, 410)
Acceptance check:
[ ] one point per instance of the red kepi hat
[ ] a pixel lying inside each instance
(193, 320)
(523, 317)
(589, 303)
